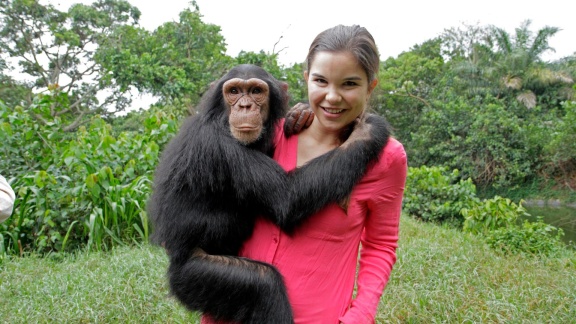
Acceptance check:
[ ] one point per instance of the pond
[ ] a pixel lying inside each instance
(563, 217)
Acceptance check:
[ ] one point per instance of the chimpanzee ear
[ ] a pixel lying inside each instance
(284, 88)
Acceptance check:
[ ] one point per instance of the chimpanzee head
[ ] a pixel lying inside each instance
(253, 101)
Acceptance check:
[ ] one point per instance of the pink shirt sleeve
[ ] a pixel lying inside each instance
(379, 239)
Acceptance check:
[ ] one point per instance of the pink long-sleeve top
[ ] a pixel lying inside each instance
(319, 261)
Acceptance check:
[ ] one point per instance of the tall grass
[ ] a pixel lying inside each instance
(442, 276)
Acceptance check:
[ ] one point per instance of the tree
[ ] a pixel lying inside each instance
(12, 92)
(407, 84)
(56, 49)
(489, 60)
(176, 62)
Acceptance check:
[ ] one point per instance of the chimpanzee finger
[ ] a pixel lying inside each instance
(310, 118)
(289, 122)
(296, 118)
(305, 119)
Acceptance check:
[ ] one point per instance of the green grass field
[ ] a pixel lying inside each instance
(442, 276)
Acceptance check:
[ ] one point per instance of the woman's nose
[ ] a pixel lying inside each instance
(333, 96)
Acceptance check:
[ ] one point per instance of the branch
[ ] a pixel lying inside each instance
(30, 44)
(76, 123)
(409, 95)
(91, 92)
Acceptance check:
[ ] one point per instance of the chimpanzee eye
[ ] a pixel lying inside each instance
(256, 91)
(234, 90)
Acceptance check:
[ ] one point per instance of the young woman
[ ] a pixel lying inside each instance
(319, 261)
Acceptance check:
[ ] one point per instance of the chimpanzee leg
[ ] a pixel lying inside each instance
(231, 289)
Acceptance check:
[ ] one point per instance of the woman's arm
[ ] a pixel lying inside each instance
(380, 237)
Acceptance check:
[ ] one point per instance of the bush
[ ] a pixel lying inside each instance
(492, 214)
(496, 220)
(83, 189)
(433, 194)
(532, 238)
(560, 149)
(481, 136)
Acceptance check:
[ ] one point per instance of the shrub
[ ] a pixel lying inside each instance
(87, 188)
(436, 195)
(483, 137)
(492, 214)
(532, 238)
(496, 220)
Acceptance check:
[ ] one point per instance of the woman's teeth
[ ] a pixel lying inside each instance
(333, 111)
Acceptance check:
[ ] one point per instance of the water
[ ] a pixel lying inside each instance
(563, 217)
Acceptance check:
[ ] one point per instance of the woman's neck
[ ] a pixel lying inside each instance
(315, 141)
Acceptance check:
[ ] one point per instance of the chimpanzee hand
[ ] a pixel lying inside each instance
(298, 118)
(360, 131)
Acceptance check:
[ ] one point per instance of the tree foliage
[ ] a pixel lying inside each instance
(482, 101)
(176, 62)
(492, 61)
(56, 49)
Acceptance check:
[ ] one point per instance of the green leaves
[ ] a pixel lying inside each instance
(492, 214)
(56, 50)
(436, 195)
(496, 220)
(87, 189)
(176, 61)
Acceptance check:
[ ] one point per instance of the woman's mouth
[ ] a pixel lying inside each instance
(333, 110)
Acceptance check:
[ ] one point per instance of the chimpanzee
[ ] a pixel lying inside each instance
(216, 176)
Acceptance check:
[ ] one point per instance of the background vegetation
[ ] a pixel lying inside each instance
(486, 123)
(480, 114)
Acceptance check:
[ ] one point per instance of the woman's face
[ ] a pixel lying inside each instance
(338, 89)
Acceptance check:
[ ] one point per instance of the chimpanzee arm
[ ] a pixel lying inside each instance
(331, 176)
(290, 198)
(258, 181)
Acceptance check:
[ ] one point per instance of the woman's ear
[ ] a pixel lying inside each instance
(372, 86)
(306, 75)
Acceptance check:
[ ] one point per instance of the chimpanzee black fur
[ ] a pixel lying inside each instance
(209, 189)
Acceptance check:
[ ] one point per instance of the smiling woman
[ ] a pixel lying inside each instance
(339, 90)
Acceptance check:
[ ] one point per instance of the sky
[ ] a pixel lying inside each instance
(289, 27)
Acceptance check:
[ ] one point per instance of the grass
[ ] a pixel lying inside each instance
(442, 276)
(125, 285)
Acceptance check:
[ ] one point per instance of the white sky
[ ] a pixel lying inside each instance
(254, 25)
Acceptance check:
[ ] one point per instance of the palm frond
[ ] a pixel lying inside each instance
(527, 98)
